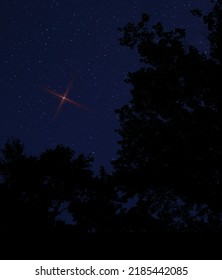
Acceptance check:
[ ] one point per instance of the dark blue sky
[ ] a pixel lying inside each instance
(45, 43)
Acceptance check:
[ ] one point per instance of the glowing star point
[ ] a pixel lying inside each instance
(64, 97)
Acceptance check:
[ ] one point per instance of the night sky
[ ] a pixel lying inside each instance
(47, 43)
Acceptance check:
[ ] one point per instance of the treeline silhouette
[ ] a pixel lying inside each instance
(169, 162)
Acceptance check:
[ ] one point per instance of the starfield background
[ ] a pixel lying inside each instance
(110, 127)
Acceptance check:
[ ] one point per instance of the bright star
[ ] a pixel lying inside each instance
(64, 97)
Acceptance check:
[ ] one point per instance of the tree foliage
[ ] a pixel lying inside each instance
(171, 130)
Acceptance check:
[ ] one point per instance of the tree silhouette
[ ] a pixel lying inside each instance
(22, 204)
(213, 20)
(95, 206)
(171, 129)
(35, 191)
(64, 176)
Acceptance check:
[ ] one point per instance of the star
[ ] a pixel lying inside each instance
(64, 97)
